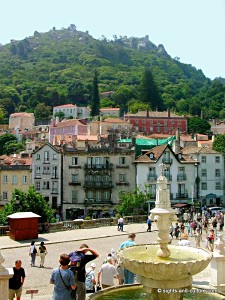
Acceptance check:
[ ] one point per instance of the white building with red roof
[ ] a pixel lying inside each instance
(72, 110)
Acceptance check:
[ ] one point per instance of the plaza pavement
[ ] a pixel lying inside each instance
(100, 239)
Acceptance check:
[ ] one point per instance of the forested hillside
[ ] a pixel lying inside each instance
(57, 67)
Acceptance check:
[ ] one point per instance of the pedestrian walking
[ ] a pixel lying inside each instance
(16, 282)
(106, 274)
(198, 237)
(149, 223)
(177, 231)
(120, 224)
(42, 253)
(33, 253)
(63, 280)
(128, 275)
(189, 228)
(78, 261)
(211, 239)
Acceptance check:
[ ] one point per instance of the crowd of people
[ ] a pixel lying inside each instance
(72, 279)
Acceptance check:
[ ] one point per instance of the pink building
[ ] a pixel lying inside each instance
(68, 127)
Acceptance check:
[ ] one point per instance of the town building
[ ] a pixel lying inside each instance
(22, 121)
(210, 173)
(66, 128)
(93, 179)
(47, 174)
(110, 111)
(178, 168)
(15, 173)
(150, 122)
(72, 111)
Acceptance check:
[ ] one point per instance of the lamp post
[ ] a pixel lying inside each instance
(197, 181)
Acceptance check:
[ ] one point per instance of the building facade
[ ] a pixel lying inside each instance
(72, 111)
(47, 174)
(15, 173)
(151, 122)
(22, 121)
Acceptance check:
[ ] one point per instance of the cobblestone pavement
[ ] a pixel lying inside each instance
(100, 239)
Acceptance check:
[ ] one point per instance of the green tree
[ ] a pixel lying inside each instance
(133, 203)
(12, 147)
(59, 114)
(42, 111)
(95, 98)
(198, 125)
(219, 143)
(149, 92)
(31, 201)
(5, 140)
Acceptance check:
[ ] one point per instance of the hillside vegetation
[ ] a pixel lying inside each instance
(57, 67)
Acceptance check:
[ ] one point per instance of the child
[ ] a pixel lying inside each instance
(198, 237)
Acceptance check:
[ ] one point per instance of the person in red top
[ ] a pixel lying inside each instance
(211, 239)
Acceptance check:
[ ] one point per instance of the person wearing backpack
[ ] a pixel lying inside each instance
(32, 253)
(78, 261)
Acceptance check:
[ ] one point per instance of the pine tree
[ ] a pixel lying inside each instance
(149, 92)
(95, 99)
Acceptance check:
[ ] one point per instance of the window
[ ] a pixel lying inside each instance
(204, 159)
(152, 189)
(143, 121)
(74, 161)
(122, 160)
(204, 185)
(204, 172)
(54, 186)
(38, 157)
(106, 195)
(54, 172)
(37, 185)
(122, 177)
(46, 170)
(5, 179)
(46, 185)
(217, 159)
(90, 195)
(46, 157)
(181, 170)
(24, 179)
(136, 121)
(5, 196)
(143, 128)
(217, 173)
(14, 179)
(37, 171)
(54, 157)
(217, 185)
(75, 177)
(74, 196)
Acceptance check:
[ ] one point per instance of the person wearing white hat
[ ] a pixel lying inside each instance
(90, 280)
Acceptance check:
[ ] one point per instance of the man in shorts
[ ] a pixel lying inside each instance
(16, 282)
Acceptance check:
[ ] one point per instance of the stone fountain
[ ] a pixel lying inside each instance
(164, 270)
(163, 266)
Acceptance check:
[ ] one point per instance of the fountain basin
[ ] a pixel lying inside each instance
(183, 263)
(136, 292)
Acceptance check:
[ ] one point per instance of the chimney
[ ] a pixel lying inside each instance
(168, 113)
(147, 113)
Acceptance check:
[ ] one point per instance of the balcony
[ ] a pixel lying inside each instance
(98, 184)
(182, 195)
(37, 175)
(167, 160)
(54, 190)
(151, 177)
(97, 201)
(122, 166)
(181, 177)
(55, 176)
(75, 167)
(98, 167)
(74, 183)
(46, 161)
(123, 183)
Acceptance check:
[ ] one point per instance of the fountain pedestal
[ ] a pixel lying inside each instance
(218, 265)
(5, 274)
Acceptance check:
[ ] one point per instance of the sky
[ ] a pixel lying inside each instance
(193, 30)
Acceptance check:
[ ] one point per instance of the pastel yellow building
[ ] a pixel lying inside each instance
(15, 173)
